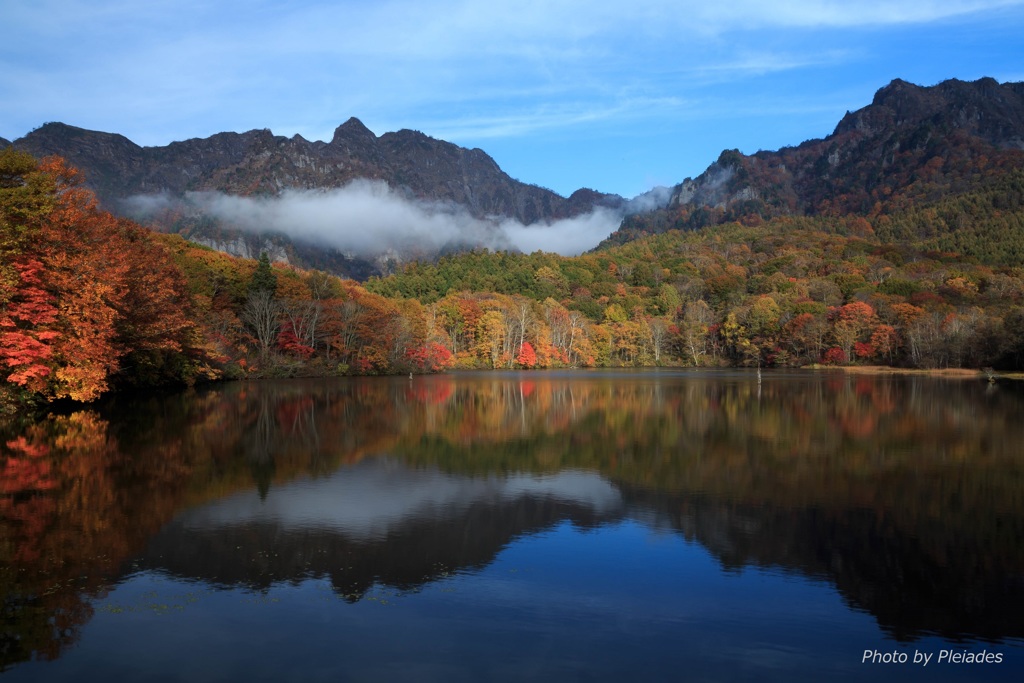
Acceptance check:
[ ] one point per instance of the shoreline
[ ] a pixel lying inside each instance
(949, 373)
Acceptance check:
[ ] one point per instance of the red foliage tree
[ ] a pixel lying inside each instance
(834, 356)
(25, 337)
(431, 357)
(527, 357)
(288, 342)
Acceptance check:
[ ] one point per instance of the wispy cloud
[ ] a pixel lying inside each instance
(747, 14)
(548, 118)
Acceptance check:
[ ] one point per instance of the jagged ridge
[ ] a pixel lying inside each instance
(260, 163)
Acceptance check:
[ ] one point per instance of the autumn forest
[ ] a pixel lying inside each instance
(90, 302)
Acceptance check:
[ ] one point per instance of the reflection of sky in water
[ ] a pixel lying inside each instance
(368, 500)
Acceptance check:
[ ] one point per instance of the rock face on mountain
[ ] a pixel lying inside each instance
(911, 143)
(984, 109)
(262, 164)
(881, 145)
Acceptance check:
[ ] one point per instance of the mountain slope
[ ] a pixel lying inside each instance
(912, 144)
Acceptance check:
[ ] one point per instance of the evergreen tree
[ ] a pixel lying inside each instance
(263, 280)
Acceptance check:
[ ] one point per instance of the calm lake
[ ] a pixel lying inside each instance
(551, 526)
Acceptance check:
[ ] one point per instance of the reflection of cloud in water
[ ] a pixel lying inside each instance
(377, 496)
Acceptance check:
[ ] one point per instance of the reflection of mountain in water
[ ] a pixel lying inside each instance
(967, 592)
(375, 522)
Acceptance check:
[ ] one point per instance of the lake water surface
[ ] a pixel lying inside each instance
(558, 526)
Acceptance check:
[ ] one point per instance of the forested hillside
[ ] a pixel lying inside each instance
(792, 292)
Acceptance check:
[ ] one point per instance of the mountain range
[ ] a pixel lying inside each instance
(911, 143)
(260, 163)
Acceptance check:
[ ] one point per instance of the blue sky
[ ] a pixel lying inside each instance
(615, 96)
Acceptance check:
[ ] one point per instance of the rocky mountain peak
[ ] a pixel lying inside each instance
(987, 109)
(353, 129)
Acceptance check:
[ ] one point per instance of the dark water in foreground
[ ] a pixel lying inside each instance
(543, 526)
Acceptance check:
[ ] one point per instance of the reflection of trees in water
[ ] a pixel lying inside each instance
(936, 465)
(66, 534)
(258, 444)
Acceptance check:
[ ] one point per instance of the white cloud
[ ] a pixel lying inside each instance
(368, 218)
(569, 237)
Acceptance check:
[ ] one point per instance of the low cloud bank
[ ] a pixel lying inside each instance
(368, 217)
